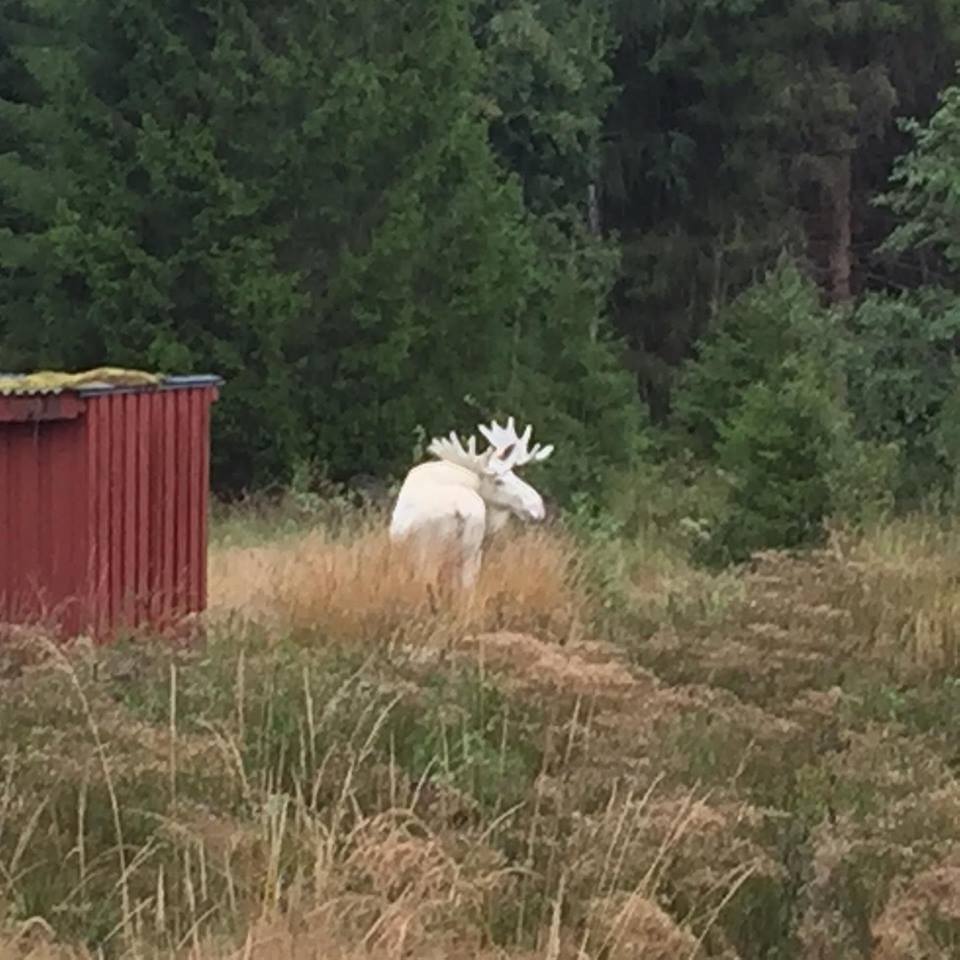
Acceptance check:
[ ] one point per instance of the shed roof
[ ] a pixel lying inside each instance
(99, 380)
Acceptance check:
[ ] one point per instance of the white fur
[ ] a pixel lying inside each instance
(456, 502)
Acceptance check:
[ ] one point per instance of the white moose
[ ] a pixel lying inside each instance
(455, 502)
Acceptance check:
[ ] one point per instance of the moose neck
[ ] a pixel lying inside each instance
(497, 518)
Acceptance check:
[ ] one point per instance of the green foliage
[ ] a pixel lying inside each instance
(307, 205)
(903, 383)
(925, 192)
(463, 736)
(547, 88)
(161, 248)
(767, 398)
(746, 126)
(864, 475)
(762, 329)
(904, 380)
(381, 222)
(584, 401)
(776, 448)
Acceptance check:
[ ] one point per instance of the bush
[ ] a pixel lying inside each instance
(775, 448)
(766, 400)
(903, 384)
(752, 338)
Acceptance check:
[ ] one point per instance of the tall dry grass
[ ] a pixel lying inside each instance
(325, 845)
(357, 585)
(901, 585)
(728, 775)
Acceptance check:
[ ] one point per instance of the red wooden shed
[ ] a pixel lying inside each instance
(103, 504)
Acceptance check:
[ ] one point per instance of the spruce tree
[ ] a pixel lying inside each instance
(305, 200)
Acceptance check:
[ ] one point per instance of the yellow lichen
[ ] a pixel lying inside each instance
(53, 380)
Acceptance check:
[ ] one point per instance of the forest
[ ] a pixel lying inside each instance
(708, 244)
(710, 250)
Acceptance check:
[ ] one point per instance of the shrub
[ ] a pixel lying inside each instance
(752, 338)
(768, 400)
(903, 384)
(776, 449)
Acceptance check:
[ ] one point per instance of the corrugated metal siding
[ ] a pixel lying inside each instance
(105, 515)
(43, 539)
(150, 468)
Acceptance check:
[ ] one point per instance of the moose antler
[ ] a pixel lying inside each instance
(492, 460)
(501, 439)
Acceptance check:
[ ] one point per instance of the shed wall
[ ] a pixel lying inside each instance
(103, 518)
(43, 536)
(147, 491)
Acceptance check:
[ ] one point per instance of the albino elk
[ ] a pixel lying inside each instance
(454, 502)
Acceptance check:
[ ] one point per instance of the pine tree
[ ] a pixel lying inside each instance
(743, 128)
(303, 199)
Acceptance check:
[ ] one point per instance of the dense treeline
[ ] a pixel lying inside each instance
(699, 225)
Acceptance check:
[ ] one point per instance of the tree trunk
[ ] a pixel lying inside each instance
(593, 210)
(840, 256)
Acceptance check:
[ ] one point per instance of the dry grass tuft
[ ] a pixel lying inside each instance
(903, 591)
(929, 904)
(359, 586)
(887, 601)
(634, 927)
(638, 761)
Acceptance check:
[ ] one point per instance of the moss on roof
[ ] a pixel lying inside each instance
(45, 381)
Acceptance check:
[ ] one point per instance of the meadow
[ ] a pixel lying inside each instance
(608, 753)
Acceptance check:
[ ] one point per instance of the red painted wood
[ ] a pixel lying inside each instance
(92, 587)
(68, 532)
(203, 441)
(20, 566)
(181, 500)
(41, 571)
(19, 587)
(193, 503)
(103, 503)
(143, 510)
(115, 508)
(103, 530)
(127, 403)
(18, 409)
(57, 569)
(168, 553)
(6, 556)
(155, 420)
(28, 473)
(6, 523)
(198, 504)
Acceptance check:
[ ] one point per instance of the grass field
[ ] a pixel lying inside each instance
(607, 754)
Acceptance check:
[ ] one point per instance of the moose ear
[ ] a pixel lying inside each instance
(508, 457)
